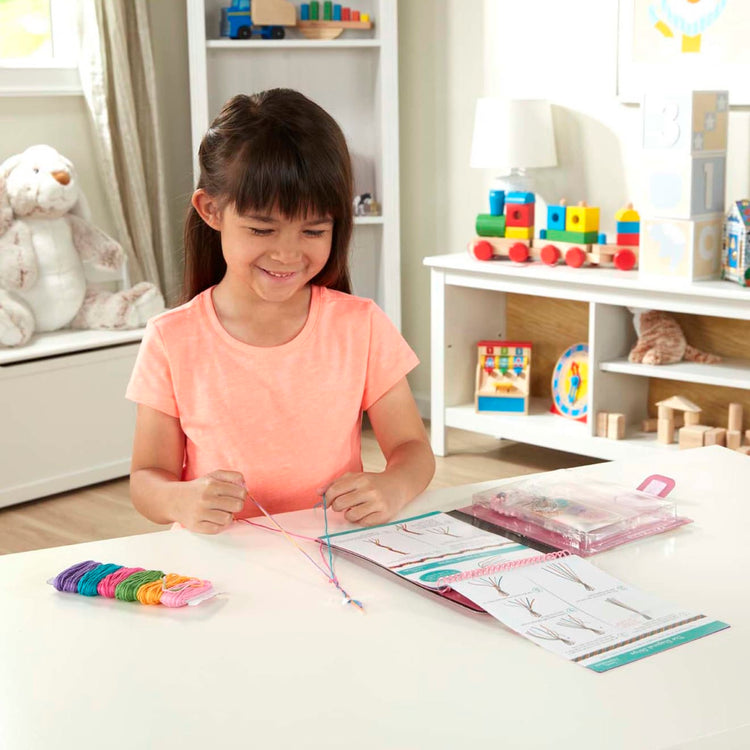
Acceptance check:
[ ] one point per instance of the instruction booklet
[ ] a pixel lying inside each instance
(557, 600)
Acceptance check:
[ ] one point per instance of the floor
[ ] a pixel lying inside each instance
(104, 511)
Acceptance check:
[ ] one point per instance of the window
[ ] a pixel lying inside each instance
(38, 47)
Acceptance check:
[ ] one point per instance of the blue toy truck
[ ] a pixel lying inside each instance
(237, 20)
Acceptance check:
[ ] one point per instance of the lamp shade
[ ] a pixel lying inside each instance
(513, 133)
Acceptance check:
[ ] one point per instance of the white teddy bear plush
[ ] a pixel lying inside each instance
(17, 271)
(44, 242)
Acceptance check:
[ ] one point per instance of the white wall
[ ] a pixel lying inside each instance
(60, 122)
(441, 74)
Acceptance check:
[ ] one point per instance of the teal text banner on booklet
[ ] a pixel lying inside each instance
(557, 600)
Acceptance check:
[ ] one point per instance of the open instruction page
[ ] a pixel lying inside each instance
(429, 547)
(573, 608)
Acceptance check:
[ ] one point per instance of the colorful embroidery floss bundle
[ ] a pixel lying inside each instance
(112, 581)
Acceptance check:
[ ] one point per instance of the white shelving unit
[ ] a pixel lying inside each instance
(355, 78)
(468, 304)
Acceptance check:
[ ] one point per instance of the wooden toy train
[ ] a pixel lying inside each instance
(572, 234)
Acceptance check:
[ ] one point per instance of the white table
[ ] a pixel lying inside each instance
(279, 662)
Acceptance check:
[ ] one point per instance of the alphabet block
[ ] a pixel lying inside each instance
(688, 123)
(681, 249)
(681, 187)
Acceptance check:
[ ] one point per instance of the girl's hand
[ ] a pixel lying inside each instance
(367, 498)
(207, 505)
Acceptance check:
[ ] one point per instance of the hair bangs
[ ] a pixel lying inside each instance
(283, 178)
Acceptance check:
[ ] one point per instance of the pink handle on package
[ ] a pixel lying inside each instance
(657, 485)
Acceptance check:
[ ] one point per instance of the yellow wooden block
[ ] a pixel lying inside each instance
(519, 233)
(627, 214)
(582, 219)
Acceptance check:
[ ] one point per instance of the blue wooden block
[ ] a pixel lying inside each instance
(602, 239)
(497, 202)
(336, 12)
(556, 217)
(518, 196)
(542, 234)
(628, 227)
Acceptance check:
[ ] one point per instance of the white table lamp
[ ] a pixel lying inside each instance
(512, 136)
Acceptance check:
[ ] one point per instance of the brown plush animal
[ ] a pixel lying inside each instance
(662, 342)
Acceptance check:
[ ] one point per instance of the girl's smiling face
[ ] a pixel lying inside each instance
(272, 256)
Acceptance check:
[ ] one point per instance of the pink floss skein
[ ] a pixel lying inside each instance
(108, 584)
(182, 593)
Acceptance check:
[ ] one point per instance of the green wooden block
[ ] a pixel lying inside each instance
(585, 238)
(490, 226)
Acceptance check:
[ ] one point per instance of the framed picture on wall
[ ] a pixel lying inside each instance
(677, 45)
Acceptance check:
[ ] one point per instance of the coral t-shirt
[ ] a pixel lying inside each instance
(287, 417)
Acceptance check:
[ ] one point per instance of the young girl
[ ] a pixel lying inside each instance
(257, 384)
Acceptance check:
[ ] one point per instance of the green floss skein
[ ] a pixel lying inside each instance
(127, 590)
(89, 581)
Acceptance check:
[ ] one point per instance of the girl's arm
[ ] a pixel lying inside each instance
(373, 498)
(205, 505)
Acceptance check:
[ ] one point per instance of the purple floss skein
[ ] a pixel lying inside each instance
(68, 579)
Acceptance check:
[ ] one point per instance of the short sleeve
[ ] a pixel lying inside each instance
(390, 358)
(151, 380)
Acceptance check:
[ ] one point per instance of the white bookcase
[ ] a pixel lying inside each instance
(355, 78)
(468, 304)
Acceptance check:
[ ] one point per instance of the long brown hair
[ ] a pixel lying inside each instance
(275, 149)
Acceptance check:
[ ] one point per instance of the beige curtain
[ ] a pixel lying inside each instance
(118, 80)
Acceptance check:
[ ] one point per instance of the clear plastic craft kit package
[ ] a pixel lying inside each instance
(581, 516)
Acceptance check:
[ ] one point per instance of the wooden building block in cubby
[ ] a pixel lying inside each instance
(692, 436)
(715, 436)
(734, 439)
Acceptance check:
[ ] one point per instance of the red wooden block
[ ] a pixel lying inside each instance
(346, 14)
(628, 239)
(519, 214)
